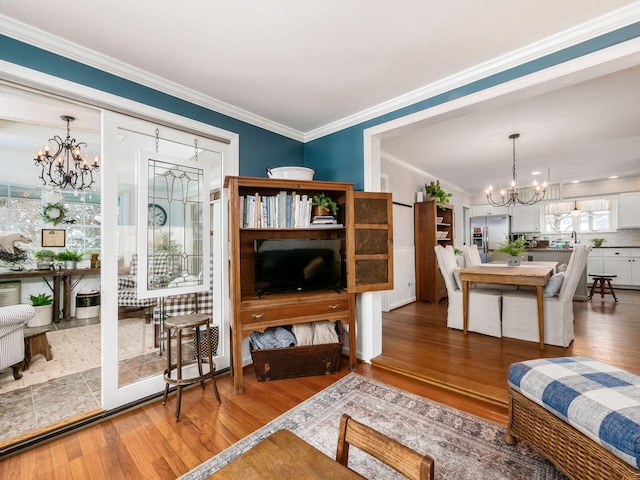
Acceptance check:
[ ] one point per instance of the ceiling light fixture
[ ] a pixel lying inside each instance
(509, 196)
(66, 167)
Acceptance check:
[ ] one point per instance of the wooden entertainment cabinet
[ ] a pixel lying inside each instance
(366, 235)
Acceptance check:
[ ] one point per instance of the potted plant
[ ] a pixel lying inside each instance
(15, 258)
(597, 242)
(515, 250)
(44, 258)
(70, 258)
(43, 305)
(436, 192)
(324, 205)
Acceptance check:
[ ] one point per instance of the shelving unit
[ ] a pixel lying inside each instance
(433, 226)
(366, 257)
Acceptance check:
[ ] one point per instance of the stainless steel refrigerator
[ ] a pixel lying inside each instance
(489, 232)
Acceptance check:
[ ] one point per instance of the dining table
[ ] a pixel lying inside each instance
(284, 455)
(534, 274)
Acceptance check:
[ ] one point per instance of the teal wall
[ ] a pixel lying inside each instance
(340, 156)
(259, 148)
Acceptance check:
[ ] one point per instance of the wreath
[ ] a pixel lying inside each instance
(54, 213)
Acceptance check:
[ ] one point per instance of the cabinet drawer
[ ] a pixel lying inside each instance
(617, 252)
(259, 315)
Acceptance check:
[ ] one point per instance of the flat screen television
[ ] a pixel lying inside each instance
(297, 264)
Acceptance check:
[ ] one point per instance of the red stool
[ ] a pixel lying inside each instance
(602, 281)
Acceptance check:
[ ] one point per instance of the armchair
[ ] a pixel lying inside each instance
(484, 303)
(520, 311)
(12, 321)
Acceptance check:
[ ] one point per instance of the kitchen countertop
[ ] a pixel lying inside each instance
(548, 249)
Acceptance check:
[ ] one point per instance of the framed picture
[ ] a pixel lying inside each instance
(53, 237)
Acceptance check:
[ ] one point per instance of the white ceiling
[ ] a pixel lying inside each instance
(306, 65)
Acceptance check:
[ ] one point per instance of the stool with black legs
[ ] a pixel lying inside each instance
(602, 282)
(175, 326)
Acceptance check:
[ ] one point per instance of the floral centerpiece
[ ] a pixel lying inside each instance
(515, 250)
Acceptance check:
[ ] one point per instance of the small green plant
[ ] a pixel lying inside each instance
(44, 253)
(457, 251)
(436, 192)
(325, 202)
(69, 256)
(597, 242)
(515, 248)
(41, 300)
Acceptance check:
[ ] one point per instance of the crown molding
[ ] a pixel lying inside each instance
(605, 24)
(51, 43)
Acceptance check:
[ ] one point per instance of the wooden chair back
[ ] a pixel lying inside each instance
(389, 451)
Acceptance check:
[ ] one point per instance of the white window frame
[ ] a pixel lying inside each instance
(613, 220)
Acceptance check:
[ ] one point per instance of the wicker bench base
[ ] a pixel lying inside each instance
(576, 455)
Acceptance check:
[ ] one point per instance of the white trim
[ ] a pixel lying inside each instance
(51, 43)
(605, 24)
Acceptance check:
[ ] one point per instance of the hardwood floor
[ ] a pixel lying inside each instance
(148, 443)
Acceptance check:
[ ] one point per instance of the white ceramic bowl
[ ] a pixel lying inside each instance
(291, 173)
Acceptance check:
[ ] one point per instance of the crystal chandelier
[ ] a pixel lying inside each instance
(510, 195)
(66, 167)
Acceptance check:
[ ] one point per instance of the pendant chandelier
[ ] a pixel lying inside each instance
(66, 167)
(510, 196)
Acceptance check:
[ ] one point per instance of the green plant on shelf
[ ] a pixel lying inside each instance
(325, 203)
(436, 192)
(69, 256)
(597, 242)
(44, 253)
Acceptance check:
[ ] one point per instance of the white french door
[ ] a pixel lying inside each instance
(123, 137)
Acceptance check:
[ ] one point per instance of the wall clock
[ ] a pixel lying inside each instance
(157, 215)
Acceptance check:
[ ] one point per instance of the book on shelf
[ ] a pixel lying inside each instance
(283, 210)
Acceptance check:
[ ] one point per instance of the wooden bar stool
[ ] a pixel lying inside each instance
(602, 281)
(192, 322)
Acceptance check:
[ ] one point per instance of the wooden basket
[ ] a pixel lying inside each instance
(279, 363)
(576, 455)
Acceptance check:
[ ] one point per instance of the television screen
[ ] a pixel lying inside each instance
(297, 264)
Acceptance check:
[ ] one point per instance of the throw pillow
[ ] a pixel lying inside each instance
(552, 288)
(562, 267)
(456, 278)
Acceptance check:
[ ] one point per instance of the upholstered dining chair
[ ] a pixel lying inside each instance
(471, 255)
(401, 458)
(484, 303)
(12, 321)
(520, 307)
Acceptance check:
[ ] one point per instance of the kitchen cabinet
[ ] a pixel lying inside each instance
(483, 210)
(526, 219)
(628, 208)
(623, 262)
(595, 262)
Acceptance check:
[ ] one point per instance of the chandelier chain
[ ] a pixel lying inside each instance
(157, 139)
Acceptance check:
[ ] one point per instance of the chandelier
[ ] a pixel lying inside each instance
(510, 196)
(66, 167)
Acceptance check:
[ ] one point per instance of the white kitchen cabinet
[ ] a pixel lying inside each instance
(628, 208)
(526, 219)
(484, 210)
(595, 262)
(625, 263)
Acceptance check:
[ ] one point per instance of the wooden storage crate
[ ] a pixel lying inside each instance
(290, 362)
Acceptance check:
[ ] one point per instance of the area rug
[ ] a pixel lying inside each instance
(464, 447)
(77, 349)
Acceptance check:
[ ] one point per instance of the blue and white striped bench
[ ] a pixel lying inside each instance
(600, 401)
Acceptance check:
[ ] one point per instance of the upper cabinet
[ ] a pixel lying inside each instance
(628, 208)
(484, 210)
(526, 219)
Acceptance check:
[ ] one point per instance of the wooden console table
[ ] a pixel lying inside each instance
(61, 288)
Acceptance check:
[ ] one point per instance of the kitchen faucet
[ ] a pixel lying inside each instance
(574, 237)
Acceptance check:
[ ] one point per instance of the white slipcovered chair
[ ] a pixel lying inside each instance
(484, 303)
(12, 321)
(520, 307)
(471, 255)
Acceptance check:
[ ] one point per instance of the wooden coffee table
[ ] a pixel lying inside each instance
(36, 343)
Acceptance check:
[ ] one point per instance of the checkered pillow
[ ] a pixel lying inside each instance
(601, 401)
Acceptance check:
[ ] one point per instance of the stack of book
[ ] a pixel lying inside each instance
(283, 210)
(325, 221)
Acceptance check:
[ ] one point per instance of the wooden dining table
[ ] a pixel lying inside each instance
(284, 455)
(535, 274)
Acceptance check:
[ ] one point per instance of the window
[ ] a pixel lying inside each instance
(595, 216)
(21, 210)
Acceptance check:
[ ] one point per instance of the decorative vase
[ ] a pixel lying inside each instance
(44, 263)
(513, 261)
(320, 211)
(70, 264)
